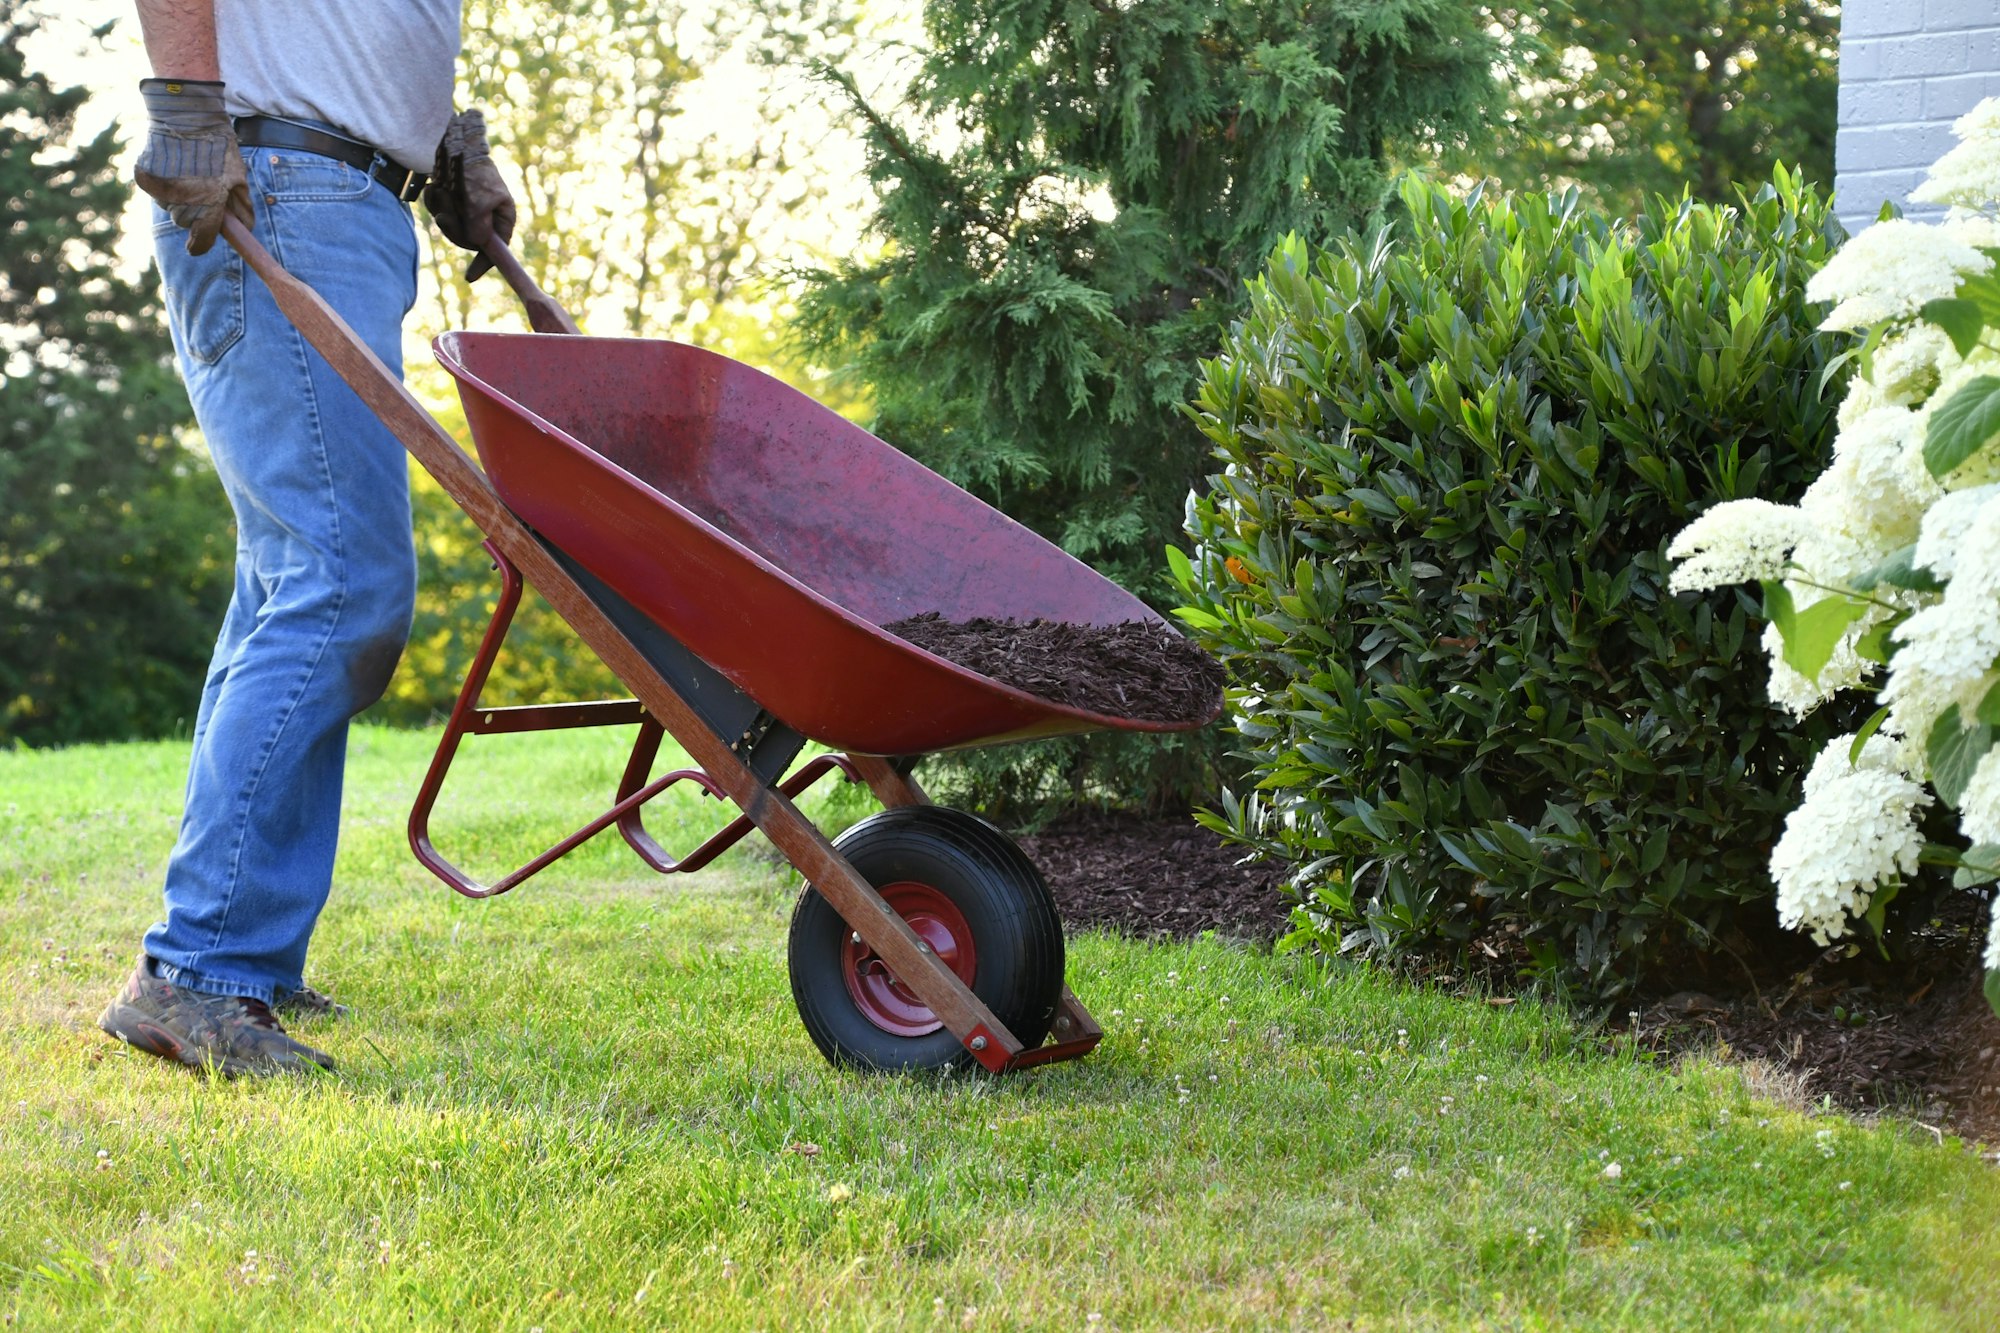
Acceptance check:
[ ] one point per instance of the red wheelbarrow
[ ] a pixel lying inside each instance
(731, 549)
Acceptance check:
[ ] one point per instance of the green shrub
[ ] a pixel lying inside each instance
(1433, 563)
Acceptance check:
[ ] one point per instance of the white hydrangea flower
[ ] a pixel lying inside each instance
(1862, 397)
(1993, 939)
(1854, 832)
(1979, 230)
(1944, 647)
(1879, 754)
(1734, 542)
(1907, 367)
(1871, 499)
(1979, 804)
(1945, 526)
(1968, 175)
(1889, 271)
(1920, 701)
(1982, 122)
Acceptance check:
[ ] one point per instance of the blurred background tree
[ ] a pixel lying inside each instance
(1631, 98)
(115, 540)
(1070, 196)
(635, 222)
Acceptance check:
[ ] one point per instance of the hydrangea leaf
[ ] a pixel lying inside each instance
(1961, 427)
(1989, 707)
(1993, 990)
(1960, 319)
(1878, 644)
(1811, 635)
(1953, 751)
(1980, 864)
(1899, 569)
(1861, 737)
(1877, 915)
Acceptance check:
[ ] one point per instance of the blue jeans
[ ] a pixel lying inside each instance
(325, 566)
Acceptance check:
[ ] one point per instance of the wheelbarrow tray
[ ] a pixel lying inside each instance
(773, 537)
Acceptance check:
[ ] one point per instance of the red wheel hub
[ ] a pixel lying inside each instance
(883, 999)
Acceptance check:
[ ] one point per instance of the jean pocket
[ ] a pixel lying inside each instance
(310, 178)
(204, 294)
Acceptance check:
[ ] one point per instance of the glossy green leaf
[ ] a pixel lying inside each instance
(1962, 426)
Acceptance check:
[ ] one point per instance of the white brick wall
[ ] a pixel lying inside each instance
(1908, 68)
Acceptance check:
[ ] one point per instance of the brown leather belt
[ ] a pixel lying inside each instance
(270, 132)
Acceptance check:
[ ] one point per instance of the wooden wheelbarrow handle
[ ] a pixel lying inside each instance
(544, 314)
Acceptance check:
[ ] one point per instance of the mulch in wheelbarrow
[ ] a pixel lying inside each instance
(1141, 669)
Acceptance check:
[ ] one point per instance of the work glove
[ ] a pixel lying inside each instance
(191, 163)
(466, 196)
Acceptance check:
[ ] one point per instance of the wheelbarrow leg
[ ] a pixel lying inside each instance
(892, 784)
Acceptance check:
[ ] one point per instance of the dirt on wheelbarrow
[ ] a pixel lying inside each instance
(1140, 669)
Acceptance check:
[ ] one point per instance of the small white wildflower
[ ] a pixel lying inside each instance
(1735, 542)
(1402, 1173)
(1889, 271)
(1846, 1184)
(1613, 1171)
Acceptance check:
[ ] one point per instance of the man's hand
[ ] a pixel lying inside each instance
(466, 196)
(191, 162)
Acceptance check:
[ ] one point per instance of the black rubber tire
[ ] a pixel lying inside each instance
(1016, 935)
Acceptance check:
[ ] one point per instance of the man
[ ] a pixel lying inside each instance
(313, 123)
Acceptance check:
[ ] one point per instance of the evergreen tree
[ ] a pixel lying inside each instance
(115, 542)
(1071, 195)
(1630, 98)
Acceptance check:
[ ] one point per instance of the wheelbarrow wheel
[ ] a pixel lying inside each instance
(973, 896)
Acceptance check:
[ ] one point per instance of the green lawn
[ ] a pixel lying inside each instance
(589, 1105)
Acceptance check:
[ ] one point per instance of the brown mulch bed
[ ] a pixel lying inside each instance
(1858, 1031)
(1916, 1038)
(1154, 878)
(1141, 669)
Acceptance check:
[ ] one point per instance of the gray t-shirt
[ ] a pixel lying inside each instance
(381, 70)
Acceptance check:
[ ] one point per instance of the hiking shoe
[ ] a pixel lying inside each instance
(230, 1033)
(305, 1002)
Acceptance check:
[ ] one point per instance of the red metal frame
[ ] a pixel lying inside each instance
(469, 718)
(1074, 1032)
